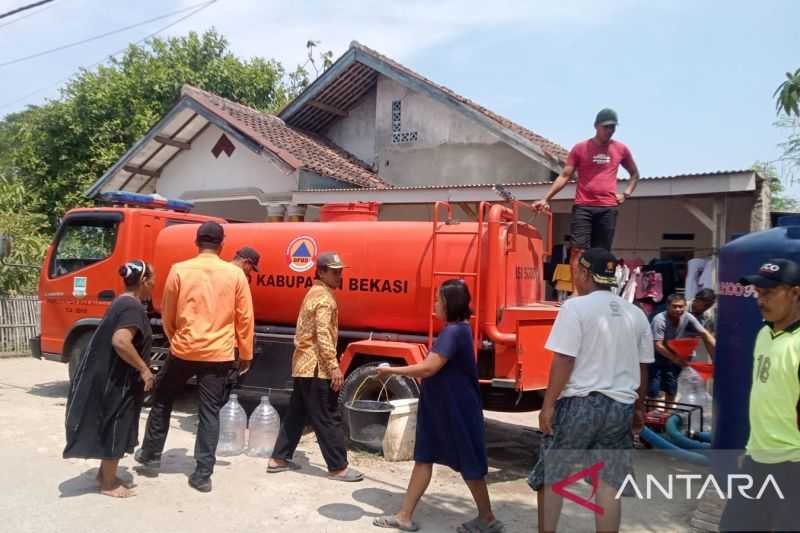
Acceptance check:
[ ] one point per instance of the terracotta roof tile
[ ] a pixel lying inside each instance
(299, 149)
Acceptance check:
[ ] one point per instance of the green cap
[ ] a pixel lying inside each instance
(606, 116)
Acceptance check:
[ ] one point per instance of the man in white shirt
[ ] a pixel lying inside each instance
(602, 345)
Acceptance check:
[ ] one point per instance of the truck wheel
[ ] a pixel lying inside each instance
(398, 388)
(76, 351)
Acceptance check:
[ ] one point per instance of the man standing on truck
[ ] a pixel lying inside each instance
(594, 215)
(317, 378)
(207, 311)
(601, 346)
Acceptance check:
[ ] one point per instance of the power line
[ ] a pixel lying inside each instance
(10, 22)
(102, 35)
(24, 8)
(121, 50)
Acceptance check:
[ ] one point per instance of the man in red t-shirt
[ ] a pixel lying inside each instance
(594, 215)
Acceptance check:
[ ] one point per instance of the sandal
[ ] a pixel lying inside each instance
(347, 476)
(392, 523)
(289, 466)
(476, 525)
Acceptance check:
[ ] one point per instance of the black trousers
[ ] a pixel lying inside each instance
(212, 380)
(593, 227)
(315, 402)
(770, 512)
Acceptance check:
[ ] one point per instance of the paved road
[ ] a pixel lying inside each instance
(44, 493)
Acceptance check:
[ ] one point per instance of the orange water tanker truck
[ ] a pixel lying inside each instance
(385, 302)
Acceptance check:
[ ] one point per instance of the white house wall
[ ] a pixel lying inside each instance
(356, 132)
(221, 177)
(642, 223)
(449, 147)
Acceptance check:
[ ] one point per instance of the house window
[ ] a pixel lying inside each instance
(398, 135)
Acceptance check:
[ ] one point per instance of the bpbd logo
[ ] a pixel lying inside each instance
(301, 254)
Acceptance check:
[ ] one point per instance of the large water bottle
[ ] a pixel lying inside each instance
(232, 425)
(708, 412)
(691, 390)
(264, 426)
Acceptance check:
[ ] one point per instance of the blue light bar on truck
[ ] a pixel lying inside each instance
(145, 200)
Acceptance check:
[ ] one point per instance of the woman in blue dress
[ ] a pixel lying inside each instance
(450, 429)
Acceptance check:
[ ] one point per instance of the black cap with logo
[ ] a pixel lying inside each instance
(773, 273)
(251, 256)
(601, 264)
(210, 232)
(330, 260)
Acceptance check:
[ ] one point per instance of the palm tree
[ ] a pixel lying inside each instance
(787, 95)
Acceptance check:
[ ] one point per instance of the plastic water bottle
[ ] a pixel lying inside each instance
(691, 390)
(264, 426)
(232, 425)
(708, 412)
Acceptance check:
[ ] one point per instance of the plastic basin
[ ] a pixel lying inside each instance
(683, 347)
(367, 421)
(706, 370)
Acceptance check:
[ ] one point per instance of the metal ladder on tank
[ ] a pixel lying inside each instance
(475, 275)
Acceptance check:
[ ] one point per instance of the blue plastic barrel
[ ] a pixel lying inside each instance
(738, 323)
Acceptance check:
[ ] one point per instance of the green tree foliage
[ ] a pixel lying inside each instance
(778, 199)
(64, 146)
(787, 95)
(50, 154)
(787, 103)
(28, 230)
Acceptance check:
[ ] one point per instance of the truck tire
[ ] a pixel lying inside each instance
(75, 352)
(398, 388)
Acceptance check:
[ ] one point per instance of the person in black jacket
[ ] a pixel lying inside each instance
(107, 392)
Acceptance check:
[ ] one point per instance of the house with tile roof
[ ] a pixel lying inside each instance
(413, 131)
(231, 160)
(366, 122)
(371, 129)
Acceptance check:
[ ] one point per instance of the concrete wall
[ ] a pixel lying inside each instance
(356, 132)
(450, 148)
(198, 170)
(642, 223)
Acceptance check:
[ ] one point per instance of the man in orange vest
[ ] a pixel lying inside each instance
(207, 311)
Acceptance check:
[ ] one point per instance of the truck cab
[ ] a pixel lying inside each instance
(79, 277)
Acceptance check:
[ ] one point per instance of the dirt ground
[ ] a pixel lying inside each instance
(42, 493)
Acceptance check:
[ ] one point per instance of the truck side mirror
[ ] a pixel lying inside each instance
(5, 246)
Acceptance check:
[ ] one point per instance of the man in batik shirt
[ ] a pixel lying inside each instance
(317, 378)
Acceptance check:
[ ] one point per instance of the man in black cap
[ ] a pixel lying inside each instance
(773, 448)
(317, 378)
(594, 214)
(601, 347)
(207, 311)
(247, 259)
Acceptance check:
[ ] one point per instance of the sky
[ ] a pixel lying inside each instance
(692, 81)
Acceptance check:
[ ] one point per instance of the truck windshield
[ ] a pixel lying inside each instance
(82, 241)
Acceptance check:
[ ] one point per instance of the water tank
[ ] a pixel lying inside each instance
(738, 323)
(353, 211)
(387, 284)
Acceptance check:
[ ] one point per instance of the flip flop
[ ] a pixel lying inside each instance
(392, 523)
(348, 476)
(289, 466)
(476, 525)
